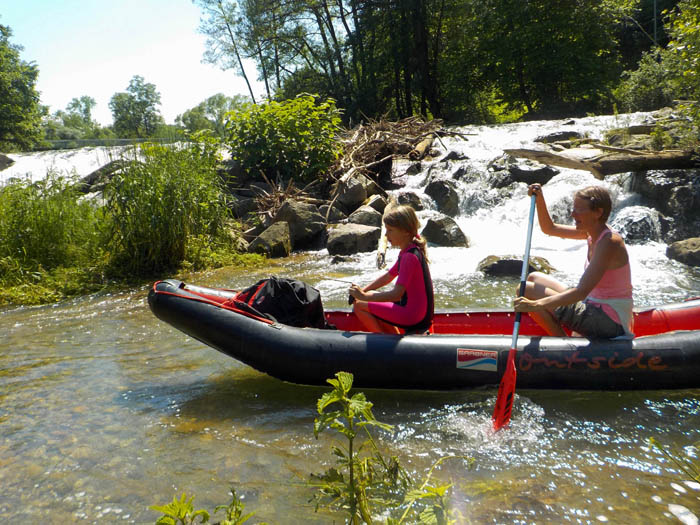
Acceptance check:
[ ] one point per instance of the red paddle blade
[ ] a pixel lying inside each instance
(506, 392)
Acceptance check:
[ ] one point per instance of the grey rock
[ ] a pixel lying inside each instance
(305, 222)
(686, 251)
(335, 215)
(637, 224)
(347, 239)
(366, 215)
(445, 195)
(512, 265)
(275, 241)
(377, 202)
(5, 162)
(444, 231)
(408, 198)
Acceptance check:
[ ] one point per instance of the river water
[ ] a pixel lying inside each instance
(104, 410)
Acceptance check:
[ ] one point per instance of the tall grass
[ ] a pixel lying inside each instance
(45, 225)
(167, 197)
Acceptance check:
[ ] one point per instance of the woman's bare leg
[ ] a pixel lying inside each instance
(541, 285)
(370, 322)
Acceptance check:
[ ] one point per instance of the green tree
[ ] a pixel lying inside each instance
(551, 56)
(135, 113)
(20, 111)
(211, 113)
(82, 107)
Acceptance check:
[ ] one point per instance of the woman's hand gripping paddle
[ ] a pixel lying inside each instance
(506, 390)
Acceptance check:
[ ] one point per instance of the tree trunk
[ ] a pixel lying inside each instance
(235, 50)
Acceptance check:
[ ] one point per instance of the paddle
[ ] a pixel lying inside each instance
(506, 390)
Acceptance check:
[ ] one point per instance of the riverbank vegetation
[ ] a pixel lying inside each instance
(165, 212)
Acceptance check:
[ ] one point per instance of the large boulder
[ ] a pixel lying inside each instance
(5, 162)
(377, 202)
(275, 241)
(354, 192)
(444, 231)
(445, 195)
(512, 265)
(366, 215)
(637, 224)
(674, 193)
(305, 222)
(346, 239)
(409, 198)
(506, 170)
(686, 251)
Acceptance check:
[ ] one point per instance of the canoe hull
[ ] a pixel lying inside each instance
(431, 362)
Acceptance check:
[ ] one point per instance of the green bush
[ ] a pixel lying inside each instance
(650, 86)
(167, 196)
(45, 225)
(291, 139)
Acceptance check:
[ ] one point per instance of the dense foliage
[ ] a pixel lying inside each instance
(45, 224)
(211, 114)
(290, 139)
(166, 211)
(20, 112)
(455, 59)
(167, 198)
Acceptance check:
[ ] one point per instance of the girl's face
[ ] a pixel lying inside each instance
(398, 236)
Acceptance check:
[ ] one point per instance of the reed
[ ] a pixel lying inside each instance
(167, 197)
(45, 225)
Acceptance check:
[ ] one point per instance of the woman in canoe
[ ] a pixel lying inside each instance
(409, 303)
(600, 305)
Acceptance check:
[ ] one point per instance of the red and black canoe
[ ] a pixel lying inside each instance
(464, 349)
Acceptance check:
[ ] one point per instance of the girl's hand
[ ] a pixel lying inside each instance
(523, 304)
(356, 292)
(534, 189)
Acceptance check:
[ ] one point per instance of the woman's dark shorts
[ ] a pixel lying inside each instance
(588, 320)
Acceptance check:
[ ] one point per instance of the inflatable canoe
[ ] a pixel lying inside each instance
(464, 349)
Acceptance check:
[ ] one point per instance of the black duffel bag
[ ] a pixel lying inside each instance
(286, 301)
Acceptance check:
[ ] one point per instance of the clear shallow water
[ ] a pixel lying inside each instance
(104, 410)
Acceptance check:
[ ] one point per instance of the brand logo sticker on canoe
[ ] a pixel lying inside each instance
(486, 360)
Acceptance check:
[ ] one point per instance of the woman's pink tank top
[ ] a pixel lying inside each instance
(615, 284)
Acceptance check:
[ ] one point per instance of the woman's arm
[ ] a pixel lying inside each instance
(548, 226)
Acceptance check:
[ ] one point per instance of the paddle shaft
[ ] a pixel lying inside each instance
(506, 390)
(523, 273)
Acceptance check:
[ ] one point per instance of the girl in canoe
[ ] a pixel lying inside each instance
(600, 305)
(409, 303)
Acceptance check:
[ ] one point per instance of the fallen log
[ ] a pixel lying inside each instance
(601, 163)
(422, 147)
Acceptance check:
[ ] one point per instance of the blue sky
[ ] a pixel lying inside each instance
(95, 47)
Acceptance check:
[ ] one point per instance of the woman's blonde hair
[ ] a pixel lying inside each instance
(404, 218)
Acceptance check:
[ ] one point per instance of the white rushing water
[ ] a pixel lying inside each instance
(496, 224)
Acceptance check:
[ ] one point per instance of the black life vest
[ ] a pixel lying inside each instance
(425, 323)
